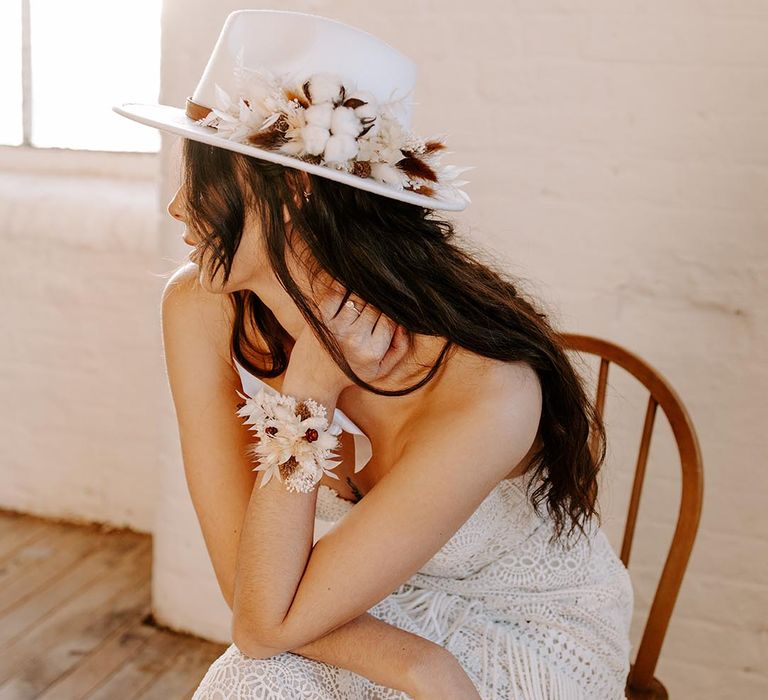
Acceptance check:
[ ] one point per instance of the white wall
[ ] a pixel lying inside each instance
(80, 357)
(622, 166)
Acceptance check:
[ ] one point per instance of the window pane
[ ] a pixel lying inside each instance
(10, 73)
(86, 56)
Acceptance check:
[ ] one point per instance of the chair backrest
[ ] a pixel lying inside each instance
(661, 394)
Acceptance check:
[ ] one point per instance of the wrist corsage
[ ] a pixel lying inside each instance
(295, 441)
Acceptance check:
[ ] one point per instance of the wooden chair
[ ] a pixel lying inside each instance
(641, 682)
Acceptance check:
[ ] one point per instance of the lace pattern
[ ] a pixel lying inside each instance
(526, 619)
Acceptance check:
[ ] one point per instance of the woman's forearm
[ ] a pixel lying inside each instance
(381, 652)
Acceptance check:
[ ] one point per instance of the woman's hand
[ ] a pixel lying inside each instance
(372, 343)
(442, 678)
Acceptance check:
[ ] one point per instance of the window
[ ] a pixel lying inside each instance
(11, 131)
(64, 64)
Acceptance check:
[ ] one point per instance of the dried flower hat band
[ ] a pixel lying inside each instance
(322, 120)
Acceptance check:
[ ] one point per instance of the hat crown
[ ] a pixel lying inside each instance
(296, 45)
(315, 94)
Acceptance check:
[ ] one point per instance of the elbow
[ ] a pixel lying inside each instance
(253, 644)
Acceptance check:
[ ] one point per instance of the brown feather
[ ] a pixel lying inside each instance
(421, 189)
(432, 146)
(267, 139)
(272, 137)
(415, 167)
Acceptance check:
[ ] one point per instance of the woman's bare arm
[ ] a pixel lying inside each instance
(220, 479)
(380, 652)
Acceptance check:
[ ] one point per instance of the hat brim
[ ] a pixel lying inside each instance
(176, 121)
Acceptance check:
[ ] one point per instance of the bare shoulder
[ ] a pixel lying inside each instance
(186, 302)
(471, 378)
(197, 331)
(477, 390)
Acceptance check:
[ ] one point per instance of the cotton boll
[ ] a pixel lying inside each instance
(340, 148)
(319, 115)
(325, 87)
(386, 173)
(315, 139)
(370, 109)
(293, 147)
(367, 149)
(344, 121)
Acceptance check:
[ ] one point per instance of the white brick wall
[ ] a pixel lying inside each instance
(80, 358)
(622, 165)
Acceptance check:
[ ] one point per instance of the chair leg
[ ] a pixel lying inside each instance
(655, 691)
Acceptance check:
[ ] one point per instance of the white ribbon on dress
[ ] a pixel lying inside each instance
(363, 447)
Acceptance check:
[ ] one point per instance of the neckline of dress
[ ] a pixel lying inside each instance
(363, 447)
(516, 482)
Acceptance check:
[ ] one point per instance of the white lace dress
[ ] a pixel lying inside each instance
(525, 618)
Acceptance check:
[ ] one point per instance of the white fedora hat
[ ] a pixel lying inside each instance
(316, 94)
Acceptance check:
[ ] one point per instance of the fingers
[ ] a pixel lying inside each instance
(370, 330)
(397, 350)
(360, 313)
(369, 336)
(350, 309)
(382, 329)
(359, 309)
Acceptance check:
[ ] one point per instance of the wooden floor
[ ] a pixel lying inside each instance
(75, 617)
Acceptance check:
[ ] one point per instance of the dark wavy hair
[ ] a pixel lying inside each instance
(402, 259)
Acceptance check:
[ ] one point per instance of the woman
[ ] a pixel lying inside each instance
(463, 556)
